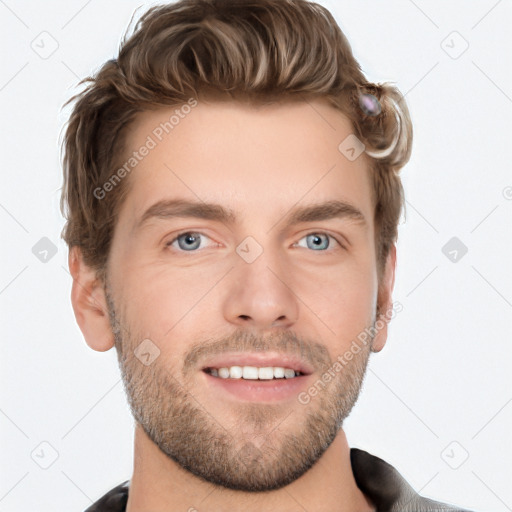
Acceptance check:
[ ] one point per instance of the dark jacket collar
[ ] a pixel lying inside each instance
(380, 481)
(387, 488)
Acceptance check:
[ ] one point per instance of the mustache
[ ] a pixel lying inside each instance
(283, 342)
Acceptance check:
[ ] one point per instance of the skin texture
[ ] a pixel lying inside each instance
(200, 447)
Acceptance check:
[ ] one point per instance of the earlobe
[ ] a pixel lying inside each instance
(89, 303)
(385, 301)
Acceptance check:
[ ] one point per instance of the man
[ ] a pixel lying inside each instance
(232, 199)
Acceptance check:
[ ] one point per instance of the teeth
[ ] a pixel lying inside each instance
(253, 372)
(288, 373)
(267, 373)
(250, 372)
(235, 372)
(224, 373)
(278, 372)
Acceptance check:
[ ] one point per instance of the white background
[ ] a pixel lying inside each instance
(439, 391)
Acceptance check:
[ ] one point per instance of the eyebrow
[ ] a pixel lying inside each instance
(176, 208)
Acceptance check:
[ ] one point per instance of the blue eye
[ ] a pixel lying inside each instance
(317, 241)
(188, 241)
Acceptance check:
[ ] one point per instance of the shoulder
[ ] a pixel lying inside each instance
(113, 501)
(388, 489)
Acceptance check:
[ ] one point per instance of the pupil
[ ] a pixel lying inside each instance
(188, 241)
(317, 240)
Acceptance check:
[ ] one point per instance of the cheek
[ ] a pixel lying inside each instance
(345, 300)
(159, 299)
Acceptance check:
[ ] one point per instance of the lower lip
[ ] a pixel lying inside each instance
(259, 390)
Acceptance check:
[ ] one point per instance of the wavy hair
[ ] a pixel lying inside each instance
(258, 50)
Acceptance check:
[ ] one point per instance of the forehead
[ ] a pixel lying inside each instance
(262, 159)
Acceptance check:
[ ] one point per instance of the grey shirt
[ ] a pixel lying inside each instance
(378, 480)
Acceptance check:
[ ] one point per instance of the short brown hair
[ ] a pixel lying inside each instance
(258, 50)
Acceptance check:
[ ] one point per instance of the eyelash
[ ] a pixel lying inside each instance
(331, 237)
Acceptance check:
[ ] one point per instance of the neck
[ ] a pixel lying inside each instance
(158, 484)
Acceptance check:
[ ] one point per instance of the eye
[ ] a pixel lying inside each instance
(187, 241)
(318, 241)
(190, 241)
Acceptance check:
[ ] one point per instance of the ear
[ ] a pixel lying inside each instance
(385, 301)
(89, 303)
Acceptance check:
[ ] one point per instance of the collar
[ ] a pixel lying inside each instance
(377, 479)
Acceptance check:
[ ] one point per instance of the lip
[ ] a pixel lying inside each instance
(258, 390)
(260, 360)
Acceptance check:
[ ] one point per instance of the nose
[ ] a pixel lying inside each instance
(260, 294)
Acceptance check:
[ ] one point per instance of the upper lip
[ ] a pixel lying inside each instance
(259, 359)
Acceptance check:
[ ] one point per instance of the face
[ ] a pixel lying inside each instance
(253, 274)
